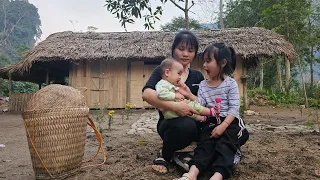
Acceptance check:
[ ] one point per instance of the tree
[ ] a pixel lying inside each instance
(179, 23)
(4, 59)
(126, 10)
(209, 11)
(312, 39)
(287, 18)
(221, 14)
(244, 13)
(19, 26)
(19, 30)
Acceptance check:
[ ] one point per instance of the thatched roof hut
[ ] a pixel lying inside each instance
(68, 54)
(74, 46)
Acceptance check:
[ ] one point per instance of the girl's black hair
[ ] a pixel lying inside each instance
(220, 52)
(187, 37)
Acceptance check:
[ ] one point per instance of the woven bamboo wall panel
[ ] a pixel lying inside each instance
(18, 101)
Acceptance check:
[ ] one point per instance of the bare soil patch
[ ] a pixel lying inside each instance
(270, 153)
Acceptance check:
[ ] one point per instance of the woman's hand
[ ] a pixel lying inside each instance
(179, 96)
(183, 109)
(217, 131)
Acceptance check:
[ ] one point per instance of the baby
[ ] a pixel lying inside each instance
(167, 89)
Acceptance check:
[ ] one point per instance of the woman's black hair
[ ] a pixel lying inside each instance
(187, 37)
(220, 52)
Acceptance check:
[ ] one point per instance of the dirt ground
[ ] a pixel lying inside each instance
(280, 147)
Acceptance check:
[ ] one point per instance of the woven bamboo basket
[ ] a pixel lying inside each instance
(56, 121)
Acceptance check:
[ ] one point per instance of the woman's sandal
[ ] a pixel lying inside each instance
(161, 162)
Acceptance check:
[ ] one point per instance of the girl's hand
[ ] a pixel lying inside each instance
(217, 131)
(183, 109)
(184, 89)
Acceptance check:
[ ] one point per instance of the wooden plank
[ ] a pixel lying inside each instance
(102, 99)
(94, 85)
(84, 73)
(95, 99)
(147, 71)
(104, 84)
(128, 82)
(84, 68)
(88, 80)
(74, 76)
(95, 69)
(137, 83)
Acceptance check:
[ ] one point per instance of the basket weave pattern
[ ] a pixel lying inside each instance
(56, 131)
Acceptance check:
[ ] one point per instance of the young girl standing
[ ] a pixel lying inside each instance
(220, 136)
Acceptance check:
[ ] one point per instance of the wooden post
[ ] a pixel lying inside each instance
(128, 81)
(245, 93)
(10, 84)
(287, 84)
(303, 84)
(279, 72)
(261, 73)
(244, 78)
(47, 77)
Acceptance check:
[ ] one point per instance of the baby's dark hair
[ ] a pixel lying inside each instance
(166, 64)
(221, 51)
(187, 37)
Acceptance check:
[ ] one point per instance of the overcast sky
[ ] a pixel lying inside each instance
(56, 15)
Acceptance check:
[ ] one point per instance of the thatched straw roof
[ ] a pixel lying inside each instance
(75, 46)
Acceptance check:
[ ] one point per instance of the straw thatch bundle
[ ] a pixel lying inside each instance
(71, 46)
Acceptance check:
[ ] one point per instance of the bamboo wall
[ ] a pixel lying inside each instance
(103, 83)
(18, 101)
(116, 82)
(136, 83)
(139, 75)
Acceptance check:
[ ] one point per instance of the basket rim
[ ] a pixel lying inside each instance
(56, 108)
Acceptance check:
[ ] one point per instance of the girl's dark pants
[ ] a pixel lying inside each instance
(177, 133)
(218, 153)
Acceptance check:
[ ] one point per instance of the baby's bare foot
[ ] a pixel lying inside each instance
(317, 172)
(186, 176)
